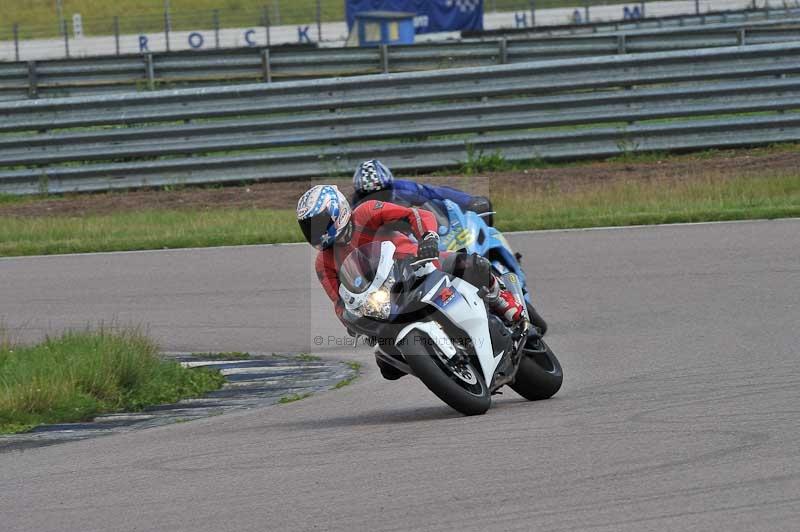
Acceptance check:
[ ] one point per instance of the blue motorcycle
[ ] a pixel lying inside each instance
(468, 232)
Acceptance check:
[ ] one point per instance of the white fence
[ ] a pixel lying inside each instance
(334, 33)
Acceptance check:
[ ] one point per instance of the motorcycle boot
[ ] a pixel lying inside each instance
(503, 303)
(388, 372)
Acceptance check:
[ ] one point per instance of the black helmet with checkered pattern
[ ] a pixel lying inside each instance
(372, 176)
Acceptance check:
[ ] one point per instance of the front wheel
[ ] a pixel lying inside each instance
(539, 375)
(459, 385)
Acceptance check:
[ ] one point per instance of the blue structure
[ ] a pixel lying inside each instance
(430, 16)
(384, 27)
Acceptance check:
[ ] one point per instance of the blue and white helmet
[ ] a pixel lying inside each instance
(324, 216)
(372, 176)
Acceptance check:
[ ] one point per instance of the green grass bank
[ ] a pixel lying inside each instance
(621, 202)
(83, 374)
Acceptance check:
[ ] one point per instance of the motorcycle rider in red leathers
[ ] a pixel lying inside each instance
(329, 225)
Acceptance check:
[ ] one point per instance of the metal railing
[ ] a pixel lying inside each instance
(765, 12)
(549, 110)
(62, 78)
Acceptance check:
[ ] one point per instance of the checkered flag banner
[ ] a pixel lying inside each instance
(465, 6)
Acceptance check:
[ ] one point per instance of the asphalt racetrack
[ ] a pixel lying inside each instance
(680, 408)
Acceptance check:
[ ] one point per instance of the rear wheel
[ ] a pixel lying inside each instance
(540, 375)
(536, 319)
(458, 384)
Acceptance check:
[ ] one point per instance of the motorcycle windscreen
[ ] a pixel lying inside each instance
(467, 231)
(359, 268)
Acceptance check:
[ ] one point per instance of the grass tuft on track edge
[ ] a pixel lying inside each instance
(82, 374)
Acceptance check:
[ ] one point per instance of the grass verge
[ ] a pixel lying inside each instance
(150, 229)
(83, 374)
(293, 397)
(620, 202)
(356, 367)
(306, 357)
(9, 198)
(644, 203)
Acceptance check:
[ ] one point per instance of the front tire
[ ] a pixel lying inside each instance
(460, 392)
(539, 375)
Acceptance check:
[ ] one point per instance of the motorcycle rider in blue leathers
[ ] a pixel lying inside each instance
(374, 181)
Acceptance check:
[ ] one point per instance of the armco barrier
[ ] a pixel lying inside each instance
(548, 110)
(76, 77)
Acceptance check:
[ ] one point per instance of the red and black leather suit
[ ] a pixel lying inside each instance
(368, 219)
(369, 223)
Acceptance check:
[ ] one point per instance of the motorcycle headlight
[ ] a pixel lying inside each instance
(379, 303)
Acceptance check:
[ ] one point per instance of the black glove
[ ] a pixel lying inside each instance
(428, 247)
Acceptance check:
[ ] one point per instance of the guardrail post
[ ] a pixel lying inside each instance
(503, 59)
(167, 27)
(267, 24)
(33, 80)
(215, 21)
(149, 71)
(116, 33)
(66, 36)
(741, 37)
(384, 58)
(16, 42)
(319, 21)
(622, 43)
(266, 65)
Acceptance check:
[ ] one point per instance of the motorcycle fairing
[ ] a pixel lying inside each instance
(468, 231)
(467, 311)
(353, 301)
(446, 296)
(434, 332)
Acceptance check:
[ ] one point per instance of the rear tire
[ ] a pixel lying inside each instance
(536, 319)
(421, 356)
(540, 375)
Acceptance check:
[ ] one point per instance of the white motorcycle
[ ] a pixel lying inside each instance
(430, 324)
